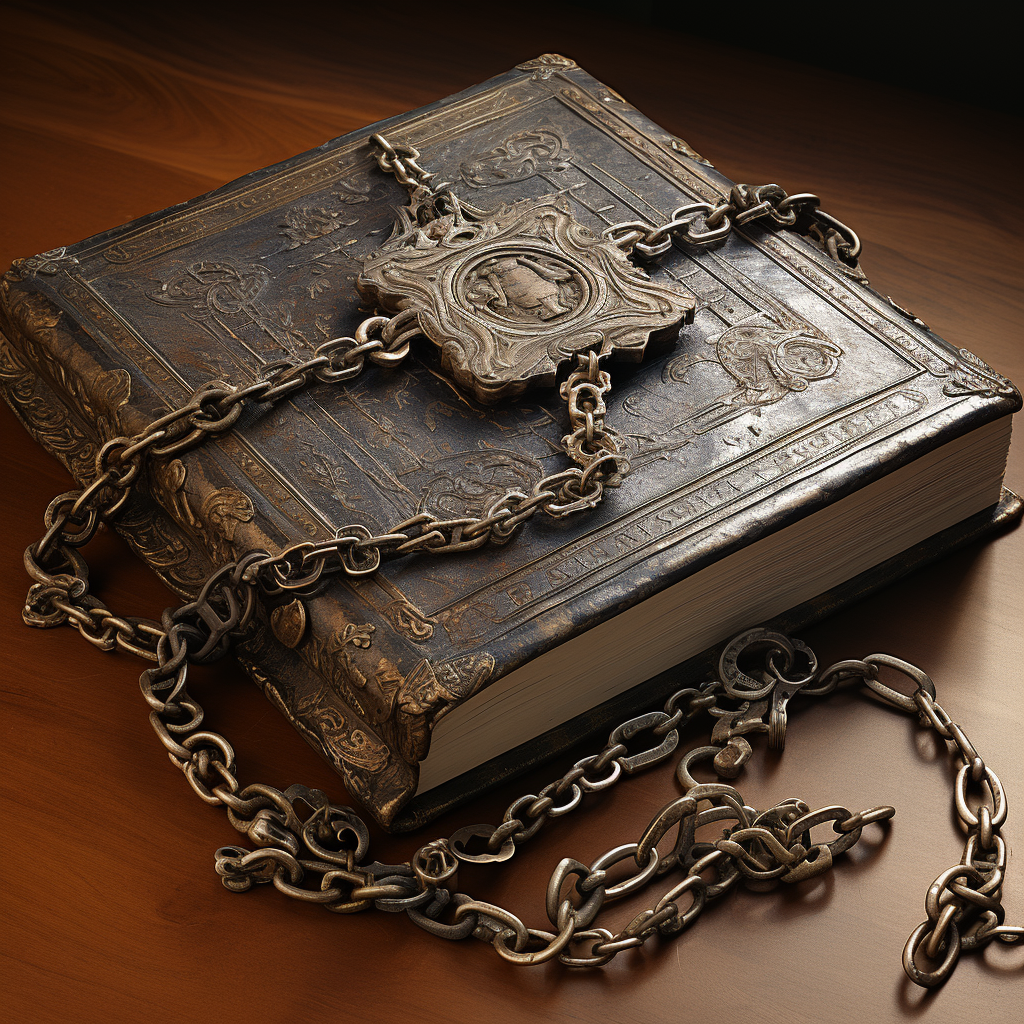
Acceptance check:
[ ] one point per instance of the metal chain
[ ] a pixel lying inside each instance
(698, 223)
(963, 906)
(703, 223)
(318, 854)
(428, 199)
(355, 551)
(315, 851)
(61, 590)
(402, 161)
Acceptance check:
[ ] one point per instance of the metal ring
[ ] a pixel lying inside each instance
(555, 943)
(850, 236)
(371, 323)
(738, 684)
(610, 779)
(382, 357)
(933, 905)
(699, 897)
(459, 838)
(362, 561)
(670, 815)
(903, 701)
(995, 787)
(931, 979)
(631, 884)
(512, 923)
(695, 234)
(645, 758)
(553, 900)
(603, 935)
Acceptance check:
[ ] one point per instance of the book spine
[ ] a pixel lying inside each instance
(64, 417)
(343, 691)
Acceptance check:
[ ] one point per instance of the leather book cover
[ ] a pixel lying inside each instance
(794, 386)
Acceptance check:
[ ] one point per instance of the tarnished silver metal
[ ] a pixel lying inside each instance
(510, 295)
(704, 223)
(314, 851)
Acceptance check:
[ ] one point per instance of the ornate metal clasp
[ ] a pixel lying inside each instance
(510, 295)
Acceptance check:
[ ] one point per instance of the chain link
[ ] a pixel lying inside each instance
(703, 223)
(317, 855)
(402, 161)
(356, 552)
(60, 592)
(315, 851)
(697, 223)
(963, 906)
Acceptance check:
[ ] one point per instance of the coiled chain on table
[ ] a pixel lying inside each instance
(315, 851)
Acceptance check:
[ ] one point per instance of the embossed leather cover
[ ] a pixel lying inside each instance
(794, 386)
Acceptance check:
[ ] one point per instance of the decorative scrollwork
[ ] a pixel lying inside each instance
(51, 262)
(522, 155)
(511, 295)
(973, 376)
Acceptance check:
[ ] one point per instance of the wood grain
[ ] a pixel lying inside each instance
(112, 908)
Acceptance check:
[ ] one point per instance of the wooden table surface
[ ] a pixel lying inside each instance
(112, 910)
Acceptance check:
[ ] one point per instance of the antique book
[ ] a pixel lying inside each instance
(799, 443)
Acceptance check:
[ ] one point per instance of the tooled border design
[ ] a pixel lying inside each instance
(236, 205)
(968, 374)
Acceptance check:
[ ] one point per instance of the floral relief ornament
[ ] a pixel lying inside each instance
(51, 262)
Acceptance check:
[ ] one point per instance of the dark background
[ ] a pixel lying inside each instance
(972, 55)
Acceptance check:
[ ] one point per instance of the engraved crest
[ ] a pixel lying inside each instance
(522, 288)
(768, 364)
(510, 295)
